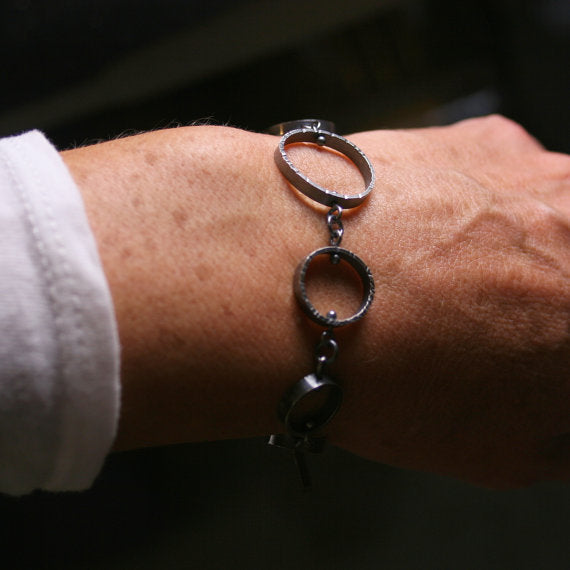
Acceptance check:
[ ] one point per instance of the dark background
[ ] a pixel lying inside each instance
(84, 71)
(89, 69)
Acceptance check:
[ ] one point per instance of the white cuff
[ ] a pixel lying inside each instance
(59, 350)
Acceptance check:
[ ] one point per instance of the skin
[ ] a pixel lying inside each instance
(461, 367)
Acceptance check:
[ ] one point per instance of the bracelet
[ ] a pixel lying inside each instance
(310, 404)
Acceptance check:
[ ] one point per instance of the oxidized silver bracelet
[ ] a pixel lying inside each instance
(303, 419)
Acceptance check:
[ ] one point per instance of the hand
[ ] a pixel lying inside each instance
(463, 365)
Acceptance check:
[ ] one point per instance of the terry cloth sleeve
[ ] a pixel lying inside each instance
(59, 350)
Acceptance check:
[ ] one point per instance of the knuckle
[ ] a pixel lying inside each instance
(509, 128)
(555, 166)
(506, 131)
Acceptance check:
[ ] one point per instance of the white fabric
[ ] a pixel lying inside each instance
(59, 351)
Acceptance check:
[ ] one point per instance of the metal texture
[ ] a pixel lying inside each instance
(327, 350)
(334, 223)
(330, 320)
(316, 124)
(312, 189)
(302, 443)
(310, 404)
(315, 419)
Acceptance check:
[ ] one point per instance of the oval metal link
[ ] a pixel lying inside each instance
(291, 407)
(307, 186)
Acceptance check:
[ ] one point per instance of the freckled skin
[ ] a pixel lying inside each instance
(151, 158)
(180, 217)
(461, 366)
(204, 272)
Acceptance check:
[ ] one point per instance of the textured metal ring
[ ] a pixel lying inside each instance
(313, 420)
(300, 288)
(310, 188)
(281, 128)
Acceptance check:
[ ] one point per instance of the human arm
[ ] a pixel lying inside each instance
(461, 366)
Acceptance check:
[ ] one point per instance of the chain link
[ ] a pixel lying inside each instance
(325, 352)
(335, 226)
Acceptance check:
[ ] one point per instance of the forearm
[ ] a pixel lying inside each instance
(199, 237)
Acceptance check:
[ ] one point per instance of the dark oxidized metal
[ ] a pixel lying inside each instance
(311, 421)
(331, 320)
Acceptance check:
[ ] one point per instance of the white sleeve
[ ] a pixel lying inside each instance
(59, 350)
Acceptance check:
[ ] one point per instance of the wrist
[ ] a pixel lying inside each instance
(194, 234)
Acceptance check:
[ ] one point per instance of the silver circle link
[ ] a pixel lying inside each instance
(312, 189)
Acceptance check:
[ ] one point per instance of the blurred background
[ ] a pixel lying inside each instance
(89, 70)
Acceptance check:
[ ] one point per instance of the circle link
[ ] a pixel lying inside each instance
(331, 320)
(291, 407)
(312, 189)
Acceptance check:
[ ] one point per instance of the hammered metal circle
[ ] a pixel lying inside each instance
(357, 264)
(312, 189)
